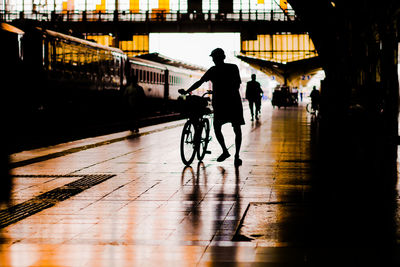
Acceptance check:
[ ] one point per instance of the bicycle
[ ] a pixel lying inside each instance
(196, 131)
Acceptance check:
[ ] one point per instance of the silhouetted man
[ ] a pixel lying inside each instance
(253, 95)
(135, 99)
(226, 100)
(314, 98)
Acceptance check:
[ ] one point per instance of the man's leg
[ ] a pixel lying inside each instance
(258, 106)
(251, 103)
(220, 138)
(238, 142)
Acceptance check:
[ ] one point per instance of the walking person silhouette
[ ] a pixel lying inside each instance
(253, 95)
(226, 101)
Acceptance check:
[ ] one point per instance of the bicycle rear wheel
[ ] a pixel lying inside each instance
(204, 139)
(188, 150)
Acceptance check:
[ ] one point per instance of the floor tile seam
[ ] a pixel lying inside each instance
(186, 215)
(276, 169)
(72, 150)
(125, 184)
(219, 226)
(99, 199)
(113, 158)
(138, 196)
(106, 160)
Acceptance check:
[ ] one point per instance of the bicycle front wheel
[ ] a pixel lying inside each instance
(204, 139)
(188, 150)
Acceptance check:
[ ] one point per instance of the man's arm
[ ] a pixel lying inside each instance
(205, 78)
(195, 86)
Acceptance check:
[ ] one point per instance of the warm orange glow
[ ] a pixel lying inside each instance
(134, 6)
(106, 40)
(280, 47)
(68, 5)
(138, 45)
(283, 4)
(163, 5)
(260, 2)
(102, 6)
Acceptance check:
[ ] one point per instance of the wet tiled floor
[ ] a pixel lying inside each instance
(154, 211)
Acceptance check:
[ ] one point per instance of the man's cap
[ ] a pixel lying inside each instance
(217, 52)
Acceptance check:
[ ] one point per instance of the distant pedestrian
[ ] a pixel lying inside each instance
(226, 100)
(135, 98)
(301, 94)
(253, 95)
(314, 98)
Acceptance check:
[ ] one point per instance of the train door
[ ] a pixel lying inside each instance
(166, 84)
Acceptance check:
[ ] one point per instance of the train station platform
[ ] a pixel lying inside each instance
(127, 200)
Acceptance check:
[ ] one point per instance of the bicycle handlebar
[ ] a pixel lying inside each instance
(209, 92)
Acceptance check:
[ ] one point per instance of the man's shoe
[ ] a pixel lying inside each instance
(223, 156)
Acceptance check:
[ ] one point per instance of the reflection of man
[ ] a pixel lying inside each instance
(253, 95)
(226, 100)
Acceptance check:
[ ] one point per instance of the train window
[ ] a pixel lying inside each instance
(75, 56)
(49, 55)
(59, 55)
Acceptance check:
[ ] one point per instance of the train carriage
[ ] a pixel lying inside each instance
(81, 70)
(163, 81)
(64, 78)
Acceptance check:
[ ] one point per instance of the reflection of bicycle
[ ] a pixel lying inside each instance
(196, 131)
(310, 109)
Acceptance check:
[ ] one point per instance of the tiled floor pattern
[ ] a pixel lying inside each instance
(157, 212)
